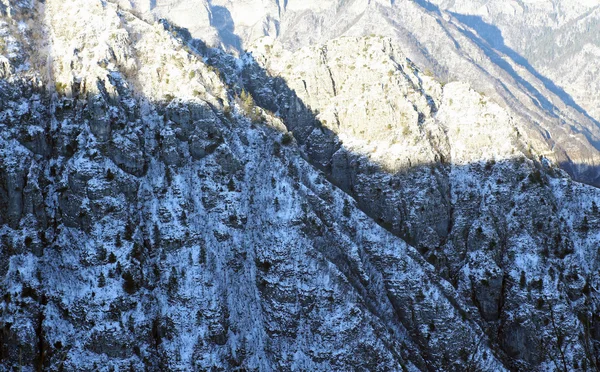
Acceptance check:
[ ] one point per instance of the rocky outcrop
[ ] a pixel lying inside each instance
(473, 206)
(164, 209)
(543, 73)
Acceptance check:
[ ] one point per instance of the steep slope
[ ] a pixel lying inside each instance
(148, 224)
(155, 215)
(557, 38)
(453, 47)
(456, 176)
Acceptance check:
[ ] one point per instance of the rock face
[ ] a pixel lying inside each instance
(532, 30)
(448, 171)
(537, 59)
(168, 206)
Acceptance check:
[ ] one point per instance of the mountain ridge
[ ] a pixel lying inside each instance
(209, 211)
(568, 134)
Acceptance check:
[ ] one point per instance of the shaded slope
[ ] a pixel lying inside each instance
(147, 231)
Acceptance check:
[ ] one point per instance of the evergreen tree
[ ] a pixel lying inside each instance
(173, 285)
(101, 255)
(112, 258)
(231, 185)
(129, 284)
(101, 280)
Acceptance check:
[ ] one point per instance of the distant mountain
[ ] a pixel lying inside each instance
(556, 40)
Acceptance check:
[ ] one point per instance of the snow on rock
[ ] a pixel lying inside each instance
(167, 206)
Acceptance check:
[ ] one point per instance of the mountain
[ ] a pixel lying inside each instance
(558, 39)
(535, 58)
(210, 186)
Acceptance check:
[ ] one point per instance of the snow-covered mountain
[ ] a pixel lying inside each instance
(535, 58)
(557, 40)
(192, 185)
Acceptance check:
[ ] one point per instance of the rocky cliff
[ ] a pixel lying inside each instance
(537, 59)
(170, 206)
